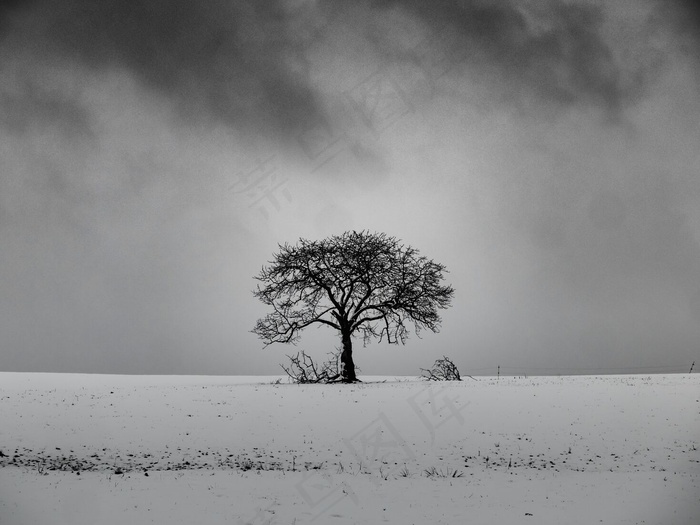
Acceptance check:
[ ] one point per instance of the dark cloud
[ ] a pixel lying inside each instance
(557, 56)
(7, 8)
(247, 64)
(685, 17)
(30, 106)
(237, 62)
(672, 31)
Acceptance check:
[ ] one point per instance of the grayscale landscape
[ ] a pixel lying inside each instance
(239, 239)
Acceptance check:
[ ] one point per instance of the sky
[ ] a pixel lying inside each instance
(153, 155)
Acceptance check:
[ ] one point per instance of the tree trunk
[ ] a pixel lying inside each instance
(347, 364)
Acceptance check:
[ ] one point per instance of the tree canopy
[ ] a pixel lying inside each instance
(356, 283)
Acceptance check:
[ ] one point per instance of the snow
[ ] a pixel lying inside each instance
(107, 449)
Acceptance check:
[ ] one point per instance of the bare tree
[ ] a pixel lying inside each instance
(303, 369)
(443, 370)
(356, 283)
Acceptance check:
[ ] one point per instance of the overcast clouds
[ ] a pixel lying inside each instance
(153, 155)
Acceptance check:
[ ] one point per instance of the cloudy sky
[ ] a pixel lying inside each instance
(153, 155)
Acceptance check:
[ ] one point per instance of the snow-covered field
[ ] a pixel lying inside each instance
(91, 449)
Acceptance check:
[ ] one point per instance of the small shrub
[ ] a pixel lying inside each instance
(433, 472)
(443, 370)
(303, 369)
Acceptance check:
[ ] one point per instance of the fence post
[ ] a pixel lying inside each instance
(499, 373)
